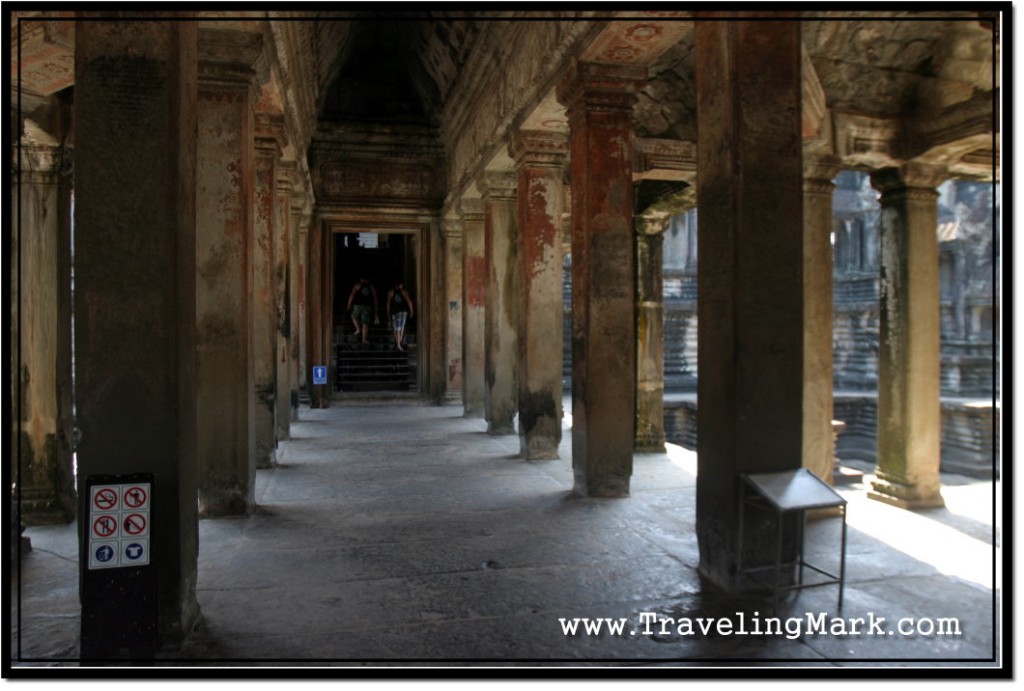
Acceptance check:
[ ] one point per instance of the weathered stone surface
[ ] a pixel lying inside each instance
(540, 159)
(500, 336)
(225, 360)
(135, 292)
(750, 361)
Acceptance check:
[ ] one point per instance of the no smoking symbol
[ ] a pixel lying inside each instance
(105, 499)
(105, 526)
(135, 524)
(134, 497)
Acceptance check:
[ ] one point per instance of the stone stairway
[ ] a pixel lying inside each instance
(374, 366)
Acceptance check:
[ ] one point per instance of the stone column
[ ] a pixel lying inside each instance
(319, 394)
(750, 312)
(499, 198)
(909, 418)
(282, 290)
(225, 408)
(302, 299)
(474, 301)
(599, 99)
(268, 141)
(540, 162)
(650, 334)
(452, 235)
(819, 172)
(296, 230)
(44, 474)
(431, 334)
(135, 283)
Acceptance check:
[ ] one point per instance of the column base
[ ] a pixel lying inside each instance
(649, 445)
(500, 428)
(538, 454)
(266, 461)
(37, 508)
(904, 495)
(603, 488)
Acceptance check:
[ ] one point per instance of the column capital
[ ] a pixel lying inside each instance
(821, 166)
(451, 228)
(497, 185)
(590, 86)
(528, 147)
(909, 176)
(40, 163)
(470, 209)
(286, 174)
(228, 63)
(652, 223)
(269, 137)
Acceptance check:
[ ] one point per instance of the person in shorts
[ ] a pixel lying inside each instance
(399, 310)
(362, 301)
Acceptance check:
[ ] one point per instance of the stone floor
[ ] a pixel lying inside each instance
(395, 533)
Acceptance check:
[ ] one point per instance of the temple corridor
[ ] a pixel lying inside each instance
(393, 531)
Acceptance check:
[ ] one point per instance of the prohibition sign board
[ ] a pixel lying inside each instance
(136, 524)
(135, 496)
(119, 521)
(105, 499)
(105, 526)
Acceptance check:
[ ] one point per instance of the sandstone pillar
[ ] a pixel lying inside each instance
(44, 475)
(431, 335)
(296, 230)
(598, 99)
(540, 161)
(268, 151)
(474, 301)
(499, 197)
(316, 338)
(302, 300)
(135, 282)
(452, 236)
(282, 284)
(649, 436)
(225, 408)
(818, 315)
(750, 312)
(908, 351)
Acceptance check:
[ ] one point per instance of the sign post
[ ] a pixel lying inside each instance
(119, 608)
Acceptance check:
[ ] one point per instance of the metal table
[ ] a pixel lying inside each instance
(782, 493)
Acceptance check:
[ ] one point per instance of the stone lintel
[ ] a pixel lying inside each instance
(536, 148)
(909, 176)
(942, 137)
(664, 159)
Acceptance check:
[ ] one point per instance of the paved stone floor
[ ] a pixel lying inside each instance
(398, 533)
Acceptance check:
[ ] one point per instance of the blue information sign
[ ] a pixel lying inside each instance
(319, 374)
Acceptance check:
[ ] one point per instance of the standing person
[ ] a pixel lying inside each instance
(399, 309)
(361, 300)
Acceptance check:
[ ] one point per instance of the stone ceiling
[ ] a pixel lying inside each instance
(408, 68)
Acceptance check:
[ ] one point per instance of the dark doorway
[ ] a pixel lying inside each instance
(384, 259)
